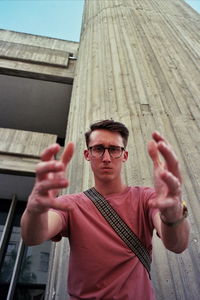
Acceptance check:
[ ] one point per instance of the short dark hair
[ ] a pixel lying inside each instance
(109, 125)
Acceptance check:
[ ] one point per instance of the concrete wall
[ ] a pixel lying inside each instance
(138, 63)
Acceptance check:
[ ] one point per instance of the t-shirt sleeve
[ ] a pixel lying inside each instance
(64, 217)
(64, 230)
(149, 194)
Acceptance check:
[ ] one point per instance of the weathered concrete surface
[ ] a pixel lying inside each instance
(138, 62)
(20, 150)
(37, 56)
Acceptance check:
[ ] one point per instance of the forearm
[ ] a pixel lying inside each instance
(39, 223)
(175, 238)
(175, 227)
(34, 227)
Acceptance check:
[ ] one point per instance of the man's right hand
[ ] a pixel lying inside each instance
(50, 178)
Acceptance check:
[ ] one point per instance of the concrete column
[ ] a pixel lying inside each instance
(138, 63)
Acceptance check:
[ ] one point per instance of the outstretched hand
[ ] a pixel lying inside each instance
(50, 178)
(167, 176)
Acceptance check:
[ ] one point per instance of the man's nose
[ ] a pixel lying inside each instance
(106, 155)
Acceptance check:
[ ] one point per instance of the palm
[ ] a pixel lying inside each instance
(167, 178)
(50, 178)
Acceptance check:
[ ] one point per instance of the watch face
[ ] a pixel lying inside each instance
(185, 210)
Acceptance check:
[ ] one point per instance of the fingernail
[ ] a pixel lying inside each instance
(58, 164)
(63, 181)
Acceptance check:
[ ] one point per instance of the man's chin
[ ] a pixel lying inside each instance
(106, 177)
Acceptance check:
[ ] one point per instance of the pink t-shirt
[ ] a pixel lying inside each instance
(101, 266)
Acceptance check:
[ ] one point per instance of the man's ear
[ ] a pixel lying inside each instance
(125, 156)
(86, 154)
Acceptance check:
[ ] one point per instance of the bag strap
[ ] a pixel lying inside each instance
(120, 227)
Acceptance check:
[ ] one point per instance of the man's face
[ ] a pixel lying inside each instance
(105, 167)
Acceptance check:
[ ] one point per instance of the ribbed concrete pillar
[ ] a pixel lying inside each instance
(138, 63)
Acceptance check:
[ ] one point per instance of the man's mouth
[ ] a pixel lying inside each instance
(106, 168)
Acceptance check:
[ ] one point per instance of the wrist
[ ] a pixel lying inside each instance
(177, 218)
(34, 205)
(35, 211)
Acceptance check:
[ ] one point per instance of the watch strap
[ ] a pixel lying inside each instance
(173, 224)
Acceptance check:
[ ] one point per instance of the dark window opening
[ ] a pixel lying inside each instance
(34, 105)
(23, 270)
(61, 141)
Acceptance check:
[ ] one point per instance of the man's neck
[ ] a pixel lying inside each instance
(110, 188)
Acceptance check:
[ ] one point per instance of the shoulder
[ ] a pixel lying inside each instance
(143, 192)
(62, 217)
(142, 196)
(74, 202)
(72, 198)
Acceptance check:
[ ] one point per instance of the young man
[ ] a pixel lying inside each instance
(101, 265)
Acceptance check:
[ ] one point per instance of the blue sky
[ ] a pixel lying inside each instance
(54, 18)
(195, 4)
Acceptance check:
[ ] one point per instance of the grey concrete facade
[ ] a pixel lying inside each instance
(36, 77)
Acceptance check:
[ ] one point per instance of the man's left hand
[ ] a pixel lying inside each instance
(167, 178)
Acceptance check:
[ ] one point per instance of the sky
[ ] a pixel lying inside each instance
(195, 4)
(53, 18)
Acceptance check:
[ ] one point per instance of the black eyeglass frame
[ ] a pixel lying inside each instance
(107, 148)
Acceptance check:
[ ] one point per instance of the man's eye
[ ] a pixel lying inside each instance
(114, 149)
(98, 149)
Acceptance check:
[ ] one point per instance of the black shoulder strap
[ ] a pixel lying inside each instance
(120, 227)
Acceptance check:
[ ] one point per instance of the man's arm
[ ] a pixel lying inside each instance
(175, 238)
(37, 228)
(38, 222)
(170, 222)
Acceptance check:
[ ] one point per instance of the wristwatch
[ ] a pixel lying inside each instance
(172, 224)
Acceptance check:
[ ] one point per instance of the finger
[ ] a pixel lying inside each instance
(47, 185)
(160, 204)
(44, 168)
(158, 137)
(170, 159)
(173, 184)
(50, 152)
(154, 154)
(46, 202)
(67, 154)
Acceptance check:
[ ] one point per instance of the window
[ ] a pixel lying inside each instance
(23, 270)
(11, 248)
(44, 261)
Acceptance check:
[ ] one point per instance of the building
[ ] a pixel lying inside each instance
(138, 62)
(34, 72)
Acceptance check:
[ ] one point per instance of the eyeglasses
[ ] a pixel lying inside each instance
(114, 151)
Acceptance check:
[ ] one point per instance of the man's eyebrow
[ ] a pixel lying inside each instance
(102, 145)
